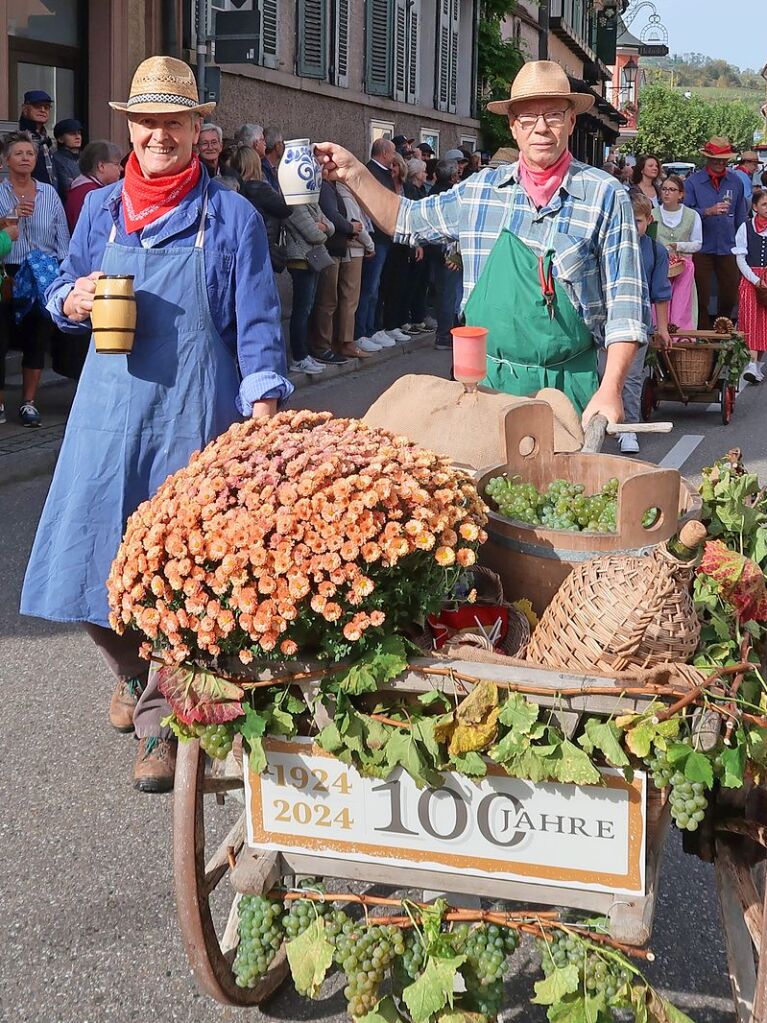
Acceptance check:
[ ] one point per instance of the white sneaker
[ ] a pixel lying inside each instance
(399, 335)
(760, 370)
(308, 365)
(753, 373)
(367, 344)
(628, 443)
(383, 339)
(317, 362)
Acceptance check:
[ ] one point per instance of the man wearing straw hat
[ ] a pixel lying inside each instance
(718, 195)
(207, 349)
(550, 250)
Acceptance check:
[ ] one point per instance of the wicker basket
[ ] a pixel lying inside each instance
(514, 645)
(675, 268)
(618, 612)
(694, 366)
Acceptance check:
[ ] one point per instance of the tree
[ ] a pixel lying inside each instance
(675, 127)
(499, 60)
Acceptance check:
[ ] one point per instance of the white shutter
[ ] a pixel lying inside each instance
(400, 49)
(341, 43)
(412, 51)
(270, 20)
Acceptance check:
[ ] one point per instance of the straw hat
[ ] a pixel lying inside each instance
(163, 85)
(719, 147)
(542, 79)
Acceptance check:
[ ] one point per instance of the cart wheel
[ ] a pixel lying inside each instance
(741, 889)
(648, 399)
(200, 865)
(729, 394)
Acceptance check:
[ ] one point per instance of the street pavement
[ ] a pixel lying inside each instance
(86, 887)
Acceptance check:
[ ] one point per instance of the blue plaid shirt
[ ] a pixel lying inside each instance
(589, 225)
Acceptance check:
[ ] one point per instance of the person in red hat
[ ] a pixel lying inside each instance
(717, 194)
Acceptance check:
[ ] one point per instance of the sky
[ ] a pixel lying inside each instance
(730, 31)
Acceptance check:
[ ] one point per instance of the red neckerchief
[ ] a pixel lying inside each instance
(760, 224)
(716, 179)
(541, 185)
(147, 199)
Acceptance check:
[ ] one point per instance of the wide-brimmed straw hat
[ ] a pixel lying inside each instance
(542, 79)
(163, 85)
(719, 148)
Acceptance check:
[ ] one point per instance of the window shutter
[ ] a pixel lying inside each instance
(412, 52)
(378, 47)
(341, 43)
(312, 61)
(455, 24)
(442, 84)
(269, 32)
(400, 49)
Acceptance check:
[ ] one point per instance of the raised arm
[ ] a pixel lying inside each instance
(338, 164)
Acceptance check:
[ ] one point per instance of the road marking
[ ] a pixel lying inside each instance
(681, 451)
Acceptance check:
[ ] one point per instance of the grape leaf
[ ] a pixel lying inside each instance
(571, 1009)
(402, 751)
(330, 738)
(604, 736)
(360, 678)
(573, 765)
(662, 1011)
(280, 722)
(470, 764)
(387, 660)
(253, 728)
(377, 734)
(646, 733)
(479, 705)
(199, 696)
(433, 989)
(594, 1004)
(698, 767)
(639, 1003)
(560, 982)
(384, 1012)
(468, 738)
(511, 745)
(760, 545)
(310, 955)
(518, 715)
(533, 763)
(461, 1016)
(423, 731)
(734, 764)
(431, 697)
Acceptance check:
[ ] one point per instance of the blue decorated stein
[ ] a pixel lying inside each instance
(299, 174)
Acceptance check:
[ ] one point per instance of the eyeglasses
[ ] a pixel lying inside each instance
(670, 188)
(552, 119)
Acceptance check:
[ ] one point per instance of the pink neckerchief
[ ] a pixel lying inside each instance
(541, 185)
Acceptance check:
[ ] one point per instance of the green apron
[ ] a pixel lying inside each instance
(532, 342)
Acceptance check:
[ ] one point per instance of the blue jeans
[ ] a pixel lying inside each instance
(449, 289)
(365, 320)
(304, 292)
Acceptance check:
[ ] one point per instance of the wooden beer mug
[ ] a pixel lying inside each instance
(114, 314)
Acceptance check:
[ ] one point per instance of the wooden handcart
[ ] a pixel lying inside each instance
(690, 371)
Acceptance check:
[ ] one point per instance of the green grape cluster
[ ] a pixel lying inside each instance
(660, 769)
(302, 912)
(216, 740)
(413, 955)
(486, 947)
(261, 935)
(688, 802)
(563, 505)
(365, 954)
(486, 1000)
(597, 972)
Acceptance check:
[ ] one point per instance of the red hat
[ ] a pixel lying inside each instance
(719, 148)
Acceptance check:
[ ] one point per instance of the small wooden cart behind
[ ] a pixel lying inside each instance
(214, 866)
(691, 371)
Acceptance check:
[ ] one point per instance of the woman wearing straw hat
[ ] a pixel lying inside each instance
(207, 349)
(550, 250)
(717, 194)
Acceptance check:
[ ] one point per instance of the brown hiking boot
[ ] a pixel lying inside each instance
(155, 764)
(123, 703)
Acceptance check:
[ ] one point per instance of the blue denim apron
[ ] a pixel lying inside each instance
(135, 420)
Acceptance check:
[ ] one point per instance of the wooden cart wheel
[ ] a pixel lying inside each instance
(648, 401)
(728, 402)
(741, 888)
(199, 873)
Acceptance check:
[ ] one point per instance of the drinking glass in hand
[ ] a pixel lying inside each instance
(727, 199)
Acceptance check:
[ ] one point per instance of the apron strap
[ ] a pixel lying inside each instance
(112, 233)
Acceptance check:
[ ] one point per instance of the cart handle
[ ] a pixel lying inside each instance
(598, 426)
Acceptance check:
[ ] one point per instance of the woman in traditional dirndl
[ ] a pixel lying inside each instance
(679, 228)
(751, 251)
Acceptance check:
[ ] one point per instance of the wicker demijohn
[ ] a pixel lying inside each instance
(617, 612)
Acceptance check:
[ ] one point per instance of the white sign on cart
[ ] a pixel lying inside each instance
(499, 827)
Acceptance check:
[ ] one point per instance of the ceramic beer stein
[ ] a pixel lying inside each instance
(114, 314)
(299, 174)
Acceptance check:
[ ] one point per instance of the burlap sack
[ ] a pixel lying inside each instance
(439, 415)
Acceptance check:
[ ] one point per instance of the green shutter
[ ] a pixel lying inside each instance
(400, 50)
(414, 16)
(312, 24)
(379, 19)
(340, 74)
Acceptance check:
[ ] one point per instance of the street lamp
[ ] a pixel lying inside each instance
(630, 72)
